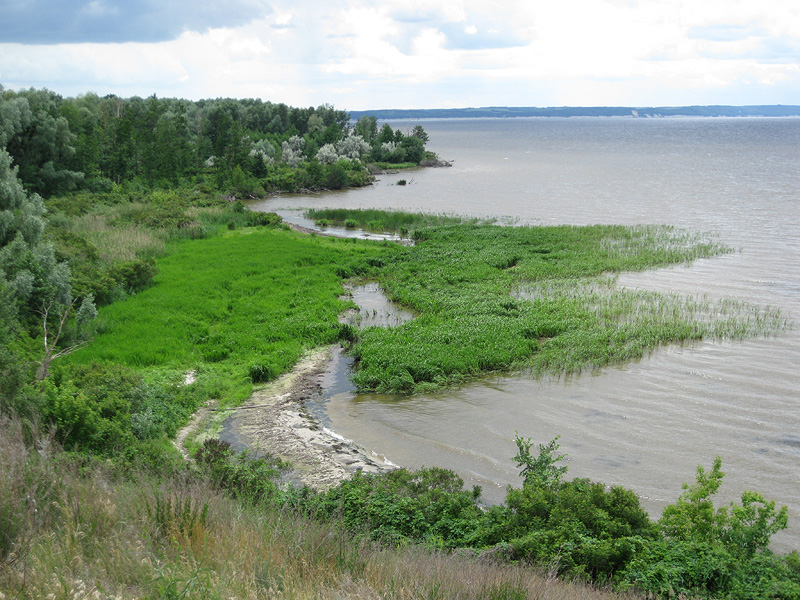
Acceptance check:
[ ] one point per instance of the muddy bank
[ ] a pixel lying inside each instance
(275, 420)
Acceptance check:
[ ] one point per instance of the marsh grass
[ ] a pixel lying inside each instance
(381, 220)
(96, 538)
(242, 306)
(491, 298)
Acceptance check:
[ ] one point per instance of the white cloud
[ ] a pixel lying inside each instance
(365, 53)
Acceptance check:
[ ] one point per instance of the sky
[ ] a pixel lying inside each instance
(370, 54)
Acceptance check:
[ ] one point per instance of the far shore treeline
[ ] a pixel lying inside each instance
(136, 288)
(505, 112)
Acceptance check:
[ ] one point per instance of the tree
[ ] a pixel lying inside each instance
(36, 287)
(327, 155)
(539, 471)
(419, 133)
(353, 147)
(367, 128)
(292, 150)
(386, 134)
(742, 529)
(40, 141)
(55, 314)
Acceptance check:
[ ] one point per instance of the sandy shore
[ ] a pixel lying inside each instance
(275, 420)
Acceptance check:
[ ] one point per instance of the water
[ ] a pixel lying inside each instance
(645, 425)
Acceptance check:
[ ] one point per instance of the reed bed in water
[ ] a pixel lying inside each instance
(493, 298)
(381, 220)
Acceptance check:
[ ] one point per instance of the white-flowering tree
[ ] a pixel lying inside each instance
(292, 150)
(328, 155)
(353, 147)
(265, 151)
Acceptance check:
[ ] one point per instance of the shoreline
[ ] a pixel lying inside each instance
(275, 420)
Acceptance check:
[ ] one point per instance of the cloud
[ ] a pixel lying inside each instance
(116, 21)
(361, 54)
(724, 33)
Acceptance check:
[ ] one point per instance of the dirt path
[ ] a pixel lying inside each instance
(274, 420)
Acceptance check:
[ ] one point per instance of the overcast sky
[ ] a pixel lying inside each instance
(362, 54)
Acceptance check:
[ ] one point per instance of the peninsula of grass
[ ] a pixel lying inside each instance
(492, 298)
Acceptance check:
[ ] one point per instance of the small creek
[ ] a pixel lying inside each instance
(374, 309)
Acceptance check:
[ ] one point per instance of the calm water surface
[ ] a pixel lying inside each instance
(645, 425)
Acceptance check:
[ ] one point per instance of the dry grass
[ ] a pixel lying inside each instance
(83, 537)
(119, 243)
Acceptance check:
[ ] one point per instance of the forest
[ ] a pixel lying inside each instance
(120, 276)
(240, 147)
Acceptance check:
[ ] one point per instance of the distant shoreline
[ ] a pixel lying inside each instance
(505, 112)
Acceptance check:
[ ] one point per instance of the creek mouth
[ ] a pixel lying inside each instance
(289, 418)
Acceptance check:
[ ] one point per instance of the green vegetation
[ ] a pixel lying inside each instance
(241, 306)
(381, 220)
(243, 148)
(492, 298)
(126, 305)
(71, 527)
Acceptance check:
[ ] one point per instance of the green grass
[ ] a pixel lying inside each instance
(244, 306)
(493, 298)
(252, 298)
(387, 166)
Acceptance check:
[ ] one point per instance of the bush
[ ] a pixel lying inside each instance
(251, 479)
(428, 505)
(134, 275)
(262, 373)
(263, 219)
(579, 524)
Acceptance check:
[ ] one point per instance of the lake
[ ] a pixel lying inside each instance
(645, 425)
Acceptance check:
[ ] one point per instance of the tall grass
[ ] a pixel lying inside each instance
(87, 536)
(116, 243)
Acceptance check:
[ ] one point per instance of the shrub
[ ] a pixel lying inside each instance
(251, 479)
(263, 219)
(261, 373)
(540, 471)
(427, 505)
(134, 275)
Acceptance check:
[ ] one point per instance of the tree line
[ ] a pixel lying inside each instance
(243, 147)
